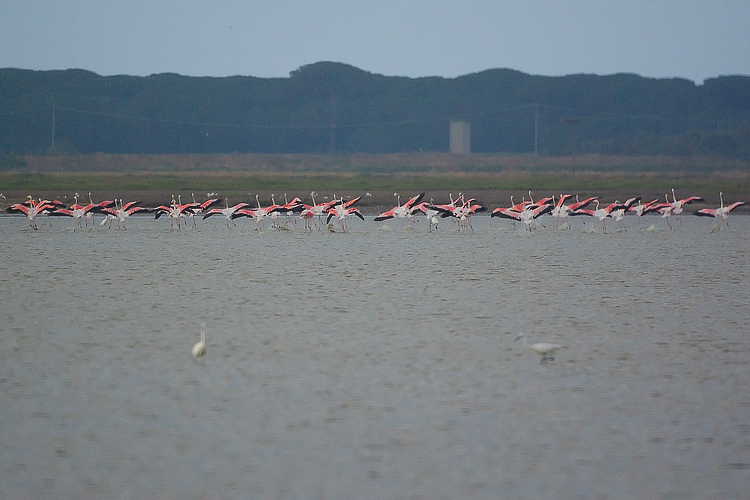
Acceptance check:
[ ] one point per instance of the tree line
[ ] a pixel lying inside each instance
(330, 107)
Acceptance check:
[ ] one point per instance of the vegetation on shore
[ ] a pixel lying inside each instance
(329, 107)
(491, 188)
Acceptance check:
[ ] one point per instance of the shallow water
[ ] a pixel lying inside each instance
(375, 363)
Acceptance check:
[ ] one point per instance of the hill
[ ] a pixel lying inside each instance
(330, 107)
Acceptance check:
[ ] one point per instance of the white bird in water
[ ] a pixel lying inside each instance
(199, 349)
(544, 349)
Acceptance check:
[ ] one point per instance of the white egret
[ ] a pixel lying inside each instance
(544, 349)
(199, 349)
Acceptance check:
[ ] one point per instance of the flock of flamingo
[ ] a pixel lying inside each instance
(460, 209)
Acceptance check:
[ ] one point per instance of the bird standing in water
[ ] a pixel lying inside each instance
(545, 350)
(199, 349)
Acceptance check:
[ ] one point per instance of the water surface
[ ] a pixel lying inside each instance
(375, 363)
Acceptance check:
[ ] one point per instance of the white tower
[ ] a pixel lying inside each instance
(460, 137)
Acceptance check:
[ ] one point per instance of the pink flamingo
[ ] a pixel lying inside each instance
(402, 211)
(228, 212)
(31, 209)
(123, 212)
(343, 213)
(722, 211)
(677, 205)
(175, 211)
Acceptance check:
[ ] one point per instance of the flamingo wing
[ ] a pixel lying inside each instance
(18, 207)
(541, 210)
(582, 204)
(390, 214)
(413, 201)
(135, 210)
(563, 198)
(213, 211)
(419, 208)
(243, 212)
(707, 212)
(129, 205)
(734, 205)
(62, 212)
(582, 211)
(505, 213)
(351, 202)
(631, 201)
(690, 199)
(161, 210)
(209, 203)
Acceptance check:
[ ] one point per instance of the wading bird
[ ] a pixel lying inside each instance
(402, 211)
(199, 349)
(343, 213)
(31, 209)
(545, 350)
(722, 211)
(228, 212)
(123, 212)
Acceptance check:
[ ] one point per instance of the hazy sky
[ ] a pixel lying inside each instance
(694, 39)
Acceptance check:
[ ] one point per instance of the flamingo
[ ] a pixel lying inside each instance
(309, 212)
(228, 212)
(123, 212)
(665, 209)
(31, 209)
(577, 208)
(560, 209)
(273, 212)
(402, 211)
(580, 205)
(545, 350)
(583, 211)
(642, 209)
(513, 212)
(430, 213)
(200, 208)
(199, 348)
(465, 211)
(448, 209)
(722, 211)
(76, 211)
(83, 212)
(532, 212)
(307, 215)
(677, 205)
(506, 213)
(92, 208)
(175, 211)
(342, 213)
(619, 211)
(543, 201)
(603, 213)
(261, 212)
(292, 207)
(320, 209)
(461, 213)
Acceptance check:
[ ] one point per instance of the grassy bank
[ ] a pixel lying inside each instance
(491, 188)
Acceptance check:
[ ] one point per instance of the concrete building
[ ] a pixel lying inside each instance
(460, 137)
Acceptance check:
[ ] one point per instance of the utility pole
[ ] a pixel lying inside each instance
(536, 129)
(53, 126)
(573, 122)
(332, 145)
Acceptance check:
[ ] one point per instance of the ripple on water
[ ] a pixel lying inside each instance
(375, 363)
